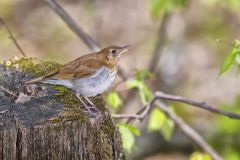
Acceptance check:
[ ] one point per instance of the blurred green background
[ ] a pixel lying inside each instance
(189, 64)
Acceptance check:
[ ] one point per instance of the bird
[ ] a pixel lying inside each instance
(88, 75)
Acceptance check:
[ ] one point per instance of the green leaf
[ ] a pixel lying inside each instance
(200, 156)
(141, 75)
(237, 58)
(133, 83)
(158, 7)
(231, 153)
(142, 97)
(229, 59)
(231, 4)
(144, 91)
(167, 129)
(159, 122)
(156, 120)
(128, 138)
(113, 100)
(237, 43)
(127, 134)
(133, 129)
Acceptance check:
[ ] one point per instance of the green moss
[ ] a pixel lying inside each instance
(30, 65)
(99, 102)
(71, 110)
(63, 95)
(38, 68)
(59, 96)
(109, 130)
(68, 115)
(71, 104)
(66, 96)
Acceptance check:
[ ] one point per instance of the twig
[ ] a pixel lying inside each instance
(72, 24)
(188, 131)
(160, 43)
(140, 115)
(78, 30)
(202, 105)
(2, 112)
(12, 37)
(123, 116)
(123, 74)
(9, 92)
(161, 95)
(185, 128)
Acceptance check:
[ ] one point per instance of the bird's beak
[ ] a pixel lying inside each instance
(124, 49)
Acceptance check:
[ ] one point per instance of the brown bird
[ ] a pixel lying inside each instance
(88, 75)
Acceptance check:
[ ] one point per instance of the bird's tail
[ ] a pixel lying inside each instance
(39, 79)
(35, 80)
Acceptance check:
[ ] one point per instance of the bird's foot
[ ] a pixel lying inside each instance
(88, 110)
(90, 107)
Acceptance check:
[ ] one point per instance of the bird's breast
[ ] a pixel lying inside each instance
(95, 84)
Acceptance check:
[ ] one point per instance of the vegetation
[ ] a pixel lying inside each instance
(174, 50)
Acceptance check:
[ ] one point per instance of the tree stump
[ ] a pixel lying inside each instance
(47, 122)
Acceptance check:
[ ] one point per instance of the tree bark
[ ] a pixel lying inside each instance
(45, 122)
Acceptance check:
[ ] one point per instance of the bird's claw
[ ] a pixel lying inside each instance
(91, 109)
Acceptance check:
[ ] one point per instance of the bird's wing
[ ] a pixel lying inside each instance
(78, 69)
(81, 67)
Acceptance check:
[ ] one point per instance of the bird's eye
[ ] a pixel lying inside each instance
(113, 51)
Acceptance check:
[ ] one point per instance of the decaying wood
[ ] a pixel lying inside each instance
(44, 127)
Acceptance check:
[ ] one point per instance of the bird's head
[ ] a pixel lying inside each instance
(113, 53)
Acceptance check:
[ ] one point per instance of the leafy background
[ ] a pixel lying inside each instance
(193, 64)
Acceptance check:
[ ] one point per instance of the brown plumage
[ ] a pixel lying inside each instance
(88, 75)
(81, 67)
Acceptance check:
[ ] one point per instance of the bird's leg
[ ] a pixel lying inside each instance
(84, 104)
(92, 104)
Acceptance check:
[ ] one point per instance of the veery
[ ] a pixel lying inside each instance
(88, 75)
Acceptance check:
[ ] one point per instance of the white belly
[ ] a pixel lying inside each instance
(89, 86)
(94, 85)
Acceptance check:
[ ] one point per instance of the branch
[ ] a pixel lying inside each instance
(4, 111)
(131, 116)
(161, 41)
(140, 115)
(162, 36)
(202, 105)
(12, 37)
(72, 24)
(188, 131)
(160, 95)
(91, 44)
(185, 128)
(124, 75)
(9, 92)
